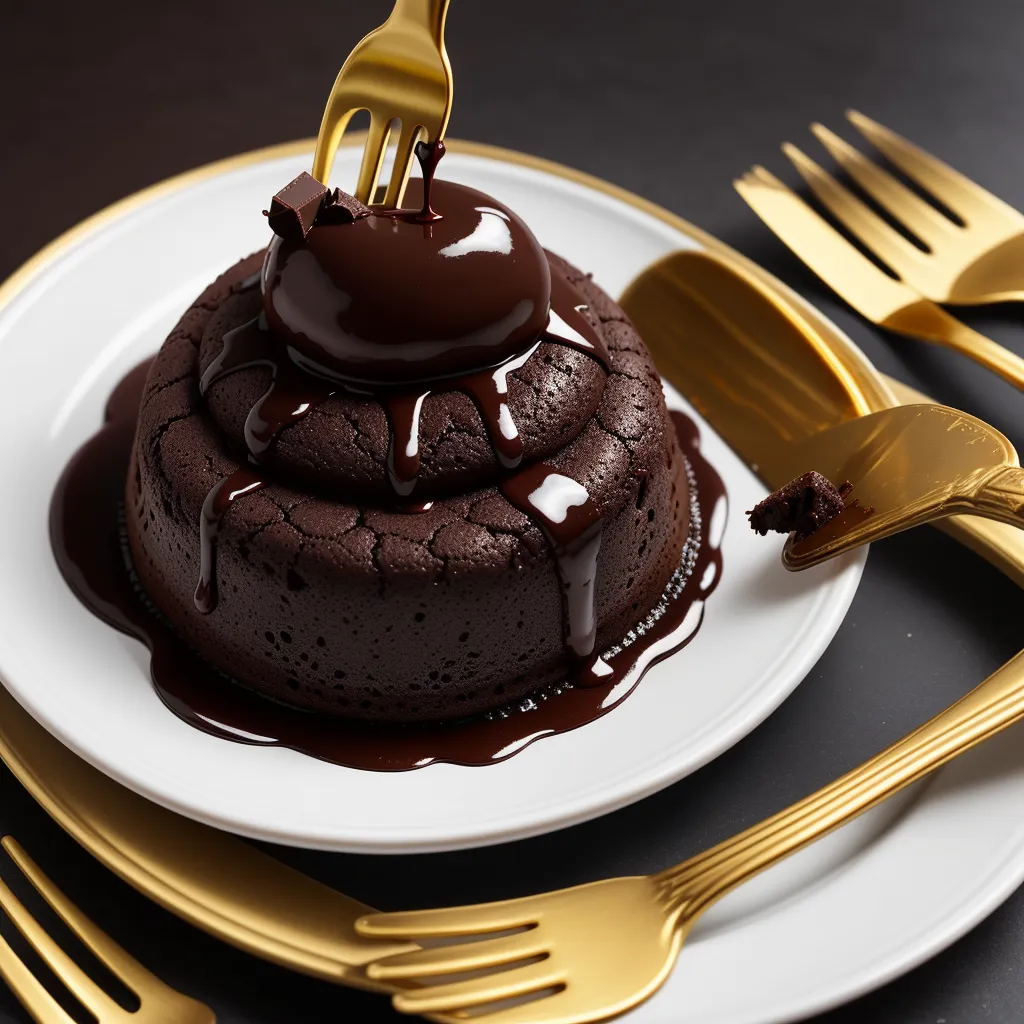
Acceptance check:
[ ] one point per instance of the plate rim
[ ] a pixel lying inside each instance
(152, 877)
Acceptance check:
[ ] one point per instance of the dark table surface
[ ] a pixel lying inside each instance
(671, 100)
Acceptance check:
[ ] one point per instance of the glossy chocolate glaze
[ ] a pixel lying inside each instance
(454, 286)
(489, 391)
(88, 542)
(318, 331)
(571, 522)
(294, 393)
(403, 411)
(389, 298)
(429, 155)
(234, 486)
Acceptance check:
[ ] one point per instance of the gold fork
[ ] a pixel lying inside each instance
(979, 260)
(158, 1002)
(889, 303)
(399, 72)
(597, 950)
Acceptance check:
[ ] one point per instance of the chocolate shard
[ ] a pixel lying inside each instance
(293, 210)
(801, 507)
(341, 208)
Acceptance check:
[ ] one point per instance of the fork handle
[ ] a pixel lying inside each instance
(1002, 495)
(990, 707)
(929, 322)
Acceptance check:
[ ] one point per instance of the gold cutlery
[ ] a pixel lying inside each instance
(399, 72)
(973, 259)
(158, 1002)
(557, 947)
(206, 876)
(893, 304)
(764, 372)
(597, 950)
(230, 889)
(908, 466)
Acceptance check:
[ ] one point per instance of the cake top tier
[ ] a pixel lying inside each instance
(422, 294)
(393, 310)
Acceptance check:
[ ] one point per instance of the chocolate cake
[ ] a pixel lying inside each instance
(802, 506)
(404, 466)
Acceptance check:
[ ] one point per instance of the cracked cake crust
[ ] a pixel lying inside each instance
(331, 602)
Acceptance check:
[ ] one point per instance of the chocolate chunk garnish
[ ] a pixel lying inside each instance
(341, 208)
(802, 506)
(294, 208)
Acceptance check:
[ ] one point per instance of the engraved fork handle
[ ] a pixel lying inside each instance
(692, 886)
(1001, 495)
(925, 320)
(998, 543)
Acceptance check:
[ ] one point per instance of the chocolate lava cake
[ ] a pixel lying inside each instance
(413, 469)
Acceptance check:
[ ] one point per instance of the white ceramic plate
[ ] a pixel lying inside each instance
(860, 907)
(109, 300)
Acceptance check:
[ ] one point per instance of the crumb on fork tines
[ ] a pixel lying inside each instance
(801, 507)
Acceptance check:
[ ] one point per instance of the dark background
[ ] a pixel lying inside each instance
(671, 100)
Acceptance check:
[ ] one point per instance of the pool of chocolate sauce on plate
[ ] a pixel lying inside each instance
(87, 537)
(331, 323)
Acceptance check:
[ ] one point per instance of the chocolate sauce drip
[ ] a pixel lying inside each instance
(220, 498)
(429, 156)
(89, 546)
(335, 317)
(294, 392)
(249, 345)
(291, 396)
(571, 522)
(489, 391)
(568, 326)
(404, 449)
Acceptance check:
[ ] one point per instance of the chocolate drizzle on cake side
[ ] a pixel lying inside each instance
(571, 522)
(401, 468)
(315, 345)
(88, 533)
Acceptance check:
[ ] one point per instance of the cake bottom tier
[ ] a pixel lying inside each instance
(396, 616)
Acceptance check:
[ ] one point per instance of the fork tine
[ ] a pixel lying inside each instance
(920, 217)
(466, 956)
(459, 995)
(760, 175)
(839, 263)
(965, 198)
(884, 240)
(336, 118)
(88, 993)
(29, 990)
(108, 952)
(446, 922)
(402, 166)
(373, 157)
